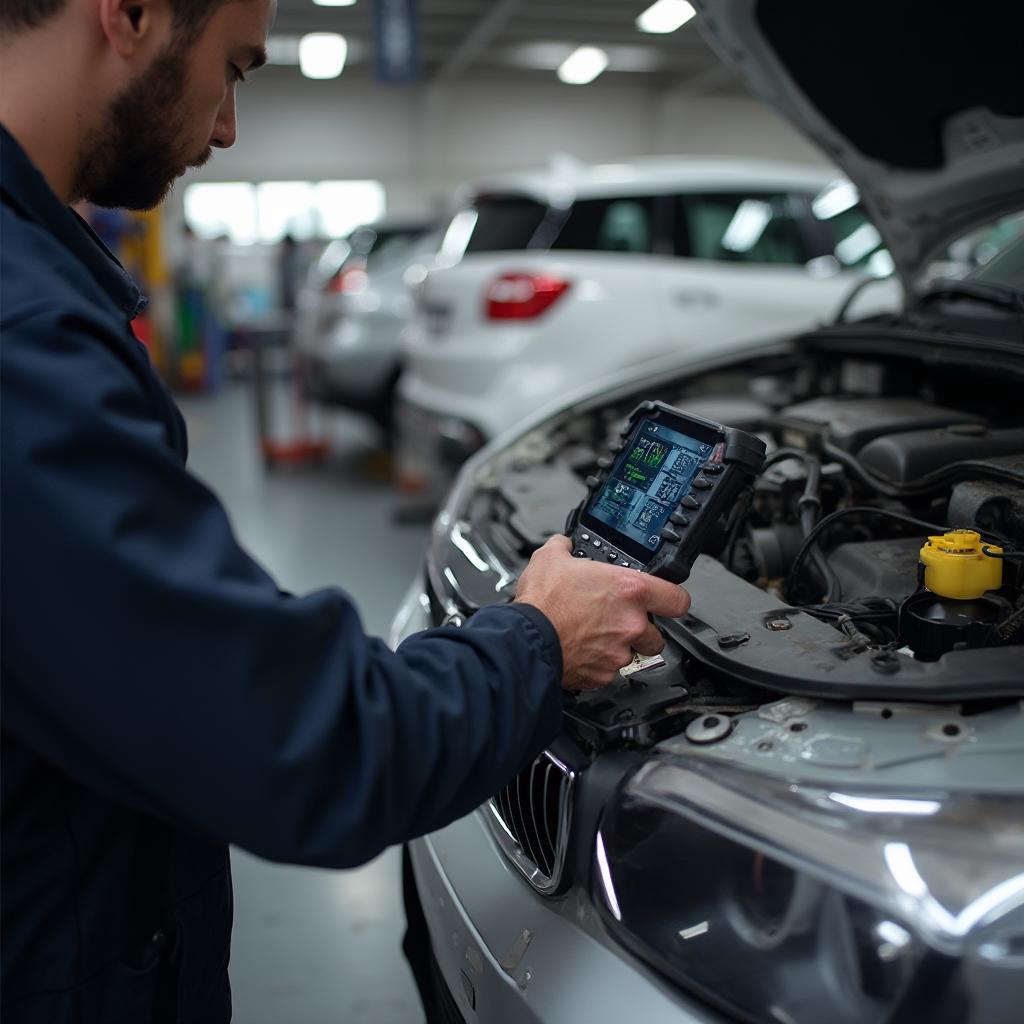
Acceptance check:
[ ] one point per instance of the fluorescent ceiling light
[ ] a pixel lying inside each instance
(583, 65)
(335, 3)
(545, 56)
(284, 50)
(322, 54)
(665, 16)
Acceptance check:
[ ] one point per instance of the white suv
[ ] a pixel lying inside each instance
(551, 280)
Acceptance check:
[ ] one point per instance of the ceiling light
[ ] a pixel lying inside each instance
(548, 56)
(335, 3)
(665, 16)
(583, 65)
(322, 54)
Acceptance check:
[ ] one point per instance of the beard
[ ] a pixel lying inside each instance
(133, 158)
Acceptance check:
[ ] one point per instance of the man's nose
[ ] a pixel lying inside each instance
(224, 128)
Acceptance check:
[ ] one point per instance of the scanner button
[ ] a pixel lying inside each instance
(689, 501)
(701, 482)
(596, 543)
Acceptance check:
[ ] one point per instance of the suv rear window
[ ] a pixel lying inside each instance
(505, 222)
(609, 225)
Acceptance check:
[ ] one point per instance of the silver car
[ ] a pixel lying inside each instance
(810, 807)
(351, 312)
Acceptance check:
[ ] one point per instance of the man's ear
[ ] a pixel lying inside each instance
(127, 24)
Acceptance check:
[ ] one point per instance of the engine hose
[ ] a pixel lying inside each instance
(810, 508)
(782, 454)
(1012, 623)
(867, 510)
(858, 639)
(930, 482)
(818, 560)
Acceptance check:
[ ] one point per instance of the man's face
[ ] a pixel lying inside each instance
(170, 115)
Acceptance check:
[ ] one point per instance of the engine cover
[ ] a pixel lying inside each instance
(912, 454)
(850, 423)
(876, 568)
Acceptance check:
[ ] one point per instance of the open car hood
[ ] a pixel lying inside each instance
(921, 104)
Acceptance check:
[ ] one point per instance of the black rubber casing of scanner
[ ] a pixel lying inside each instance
(742, 459)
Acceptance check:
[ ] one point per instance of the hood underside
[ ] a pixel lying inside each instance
(921, 104)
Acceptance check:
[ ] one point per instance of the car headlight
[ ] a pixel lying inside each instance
(790, 903)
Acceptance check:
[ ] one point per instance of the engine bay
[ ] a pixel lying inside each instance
(809, 587)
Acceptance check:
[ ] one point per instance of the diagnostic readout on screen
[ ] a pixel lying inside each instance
(648, 481)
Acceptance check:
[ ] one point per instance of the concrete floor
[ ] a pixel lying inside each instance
(313, 947)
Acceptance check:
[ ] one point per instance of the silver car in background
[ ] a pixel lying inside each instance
(352, 310)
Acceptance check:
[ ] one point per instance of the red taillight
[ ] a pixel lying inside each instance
(523, 296)
(347, 280)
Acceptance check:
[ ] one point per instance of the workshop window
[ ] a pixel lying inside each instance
(246, 213)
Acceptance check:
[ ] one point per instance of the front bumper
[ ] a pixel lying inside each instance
(509, 956)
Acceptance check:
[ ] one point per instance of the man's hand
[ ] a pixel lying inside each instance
(599, 611)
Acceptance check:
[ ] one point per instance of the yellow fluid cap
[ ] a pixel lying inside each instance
(955, 566)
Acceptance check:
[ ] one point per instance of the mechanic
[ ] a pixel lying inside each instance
(161, 697)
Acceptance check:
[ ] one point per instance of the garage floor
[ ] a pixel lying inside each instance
(314, 947)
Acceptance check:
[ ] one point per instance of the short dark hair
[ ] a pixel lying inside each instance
(19, 14)
(190, 16)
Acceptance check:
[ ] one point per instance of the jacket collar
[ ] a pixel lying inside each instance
(24, 187)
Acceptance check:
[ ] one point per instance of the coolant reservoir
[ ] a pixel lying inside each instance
(956, 567)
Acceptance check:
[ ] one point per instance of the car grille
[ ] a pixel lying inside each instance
(530, 819)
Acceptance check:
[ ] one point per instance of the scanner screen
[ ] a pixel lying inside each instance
(650, 477)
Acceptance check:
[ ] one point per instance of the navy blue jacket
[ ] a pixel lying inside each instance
(161, 697)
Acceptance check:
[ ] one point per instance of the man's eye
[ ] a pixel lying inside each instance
(236, 73)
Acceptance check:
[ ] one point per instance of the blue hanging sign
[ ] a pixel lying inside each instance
(397, 41)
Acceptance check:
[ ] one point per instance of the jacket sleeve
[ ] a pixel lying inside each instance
(148, 656)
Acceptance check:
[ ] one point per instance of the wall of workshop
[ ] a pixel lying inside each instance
(420, 142)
